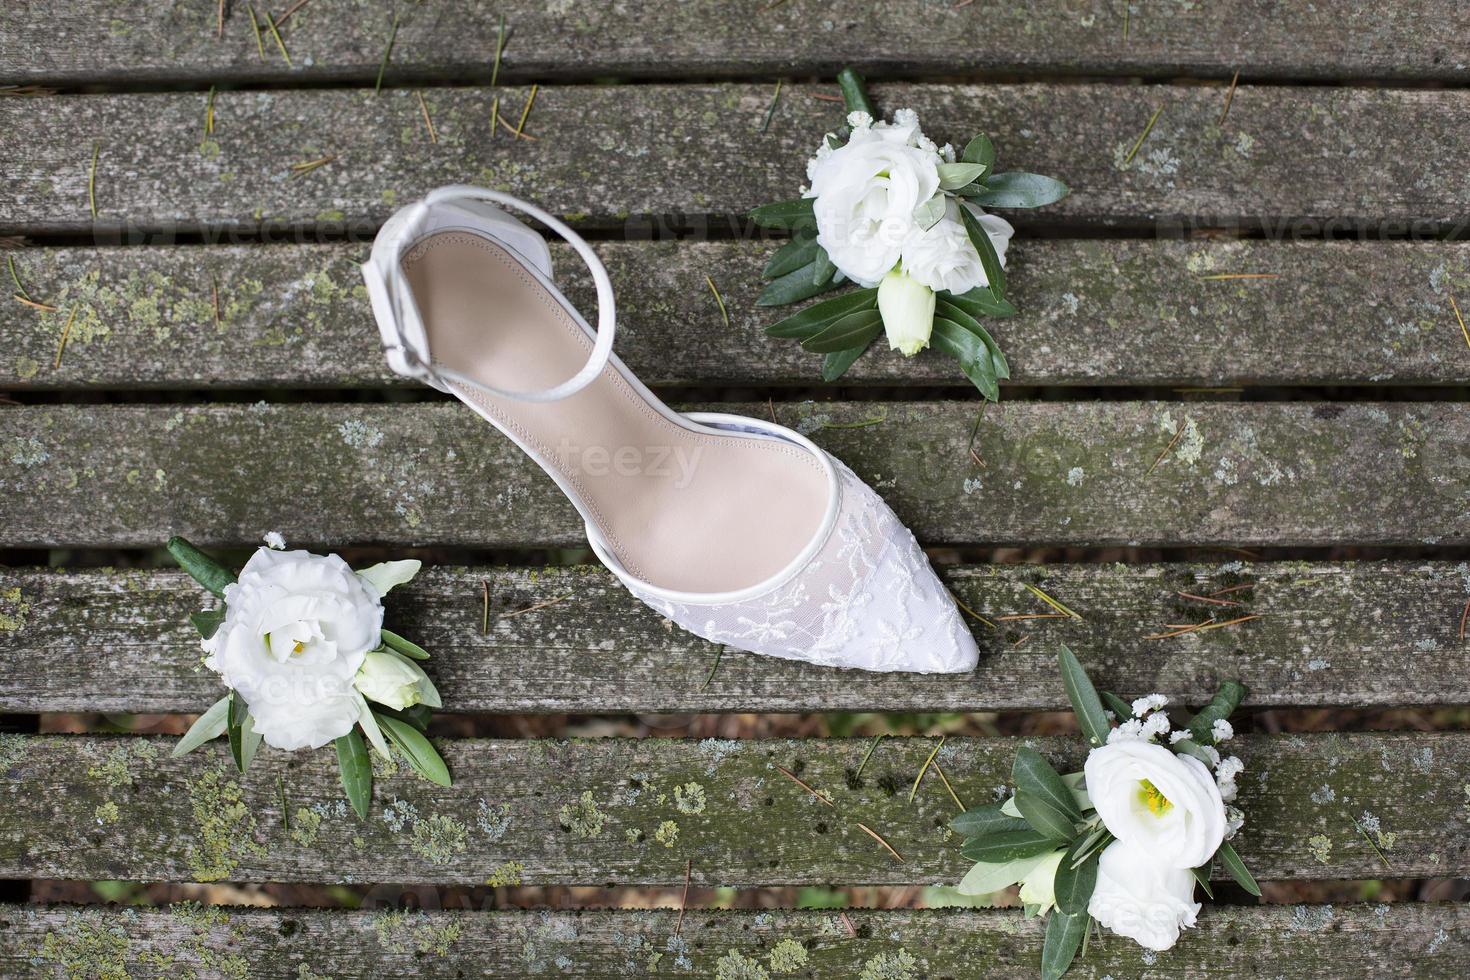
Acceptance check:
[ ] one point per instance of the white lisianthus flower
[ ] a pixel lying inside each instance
(943, 257)
(1164, 805)
(907, 308)
(1039, 886)
(866, 192)
(1137, 897)
(297, 628)
(395, 681)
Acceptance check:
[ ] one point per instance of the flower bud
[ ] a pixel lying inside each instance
(907, 307)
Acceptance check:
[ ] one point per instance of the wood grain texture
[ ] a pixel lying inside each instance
(1356, 942)
(1356, 635)
(1051, 473)
(641, 159)
(1091, 312)
(343, 40)
(633, 811)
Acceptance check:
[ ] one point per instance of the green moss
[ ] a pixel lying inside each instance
(224, 824)
(304, 972)
(12, 750)
(787, 956)
(506, 875)
(13, 610)
(305, 824)
(114, 770)
(106, 813)
(890, 966)
(399, 932)
(86, 951)
(439, 838)
(689, 798)
(734, 966)
(582, 817)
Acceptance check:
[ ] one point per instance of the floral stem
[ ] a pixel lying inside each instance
(854, 93)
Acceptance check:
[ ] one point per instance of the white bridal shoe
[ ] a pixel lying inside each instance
(741, 531)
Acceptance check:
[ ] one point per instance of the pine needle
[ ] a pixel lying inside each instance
(1205, 598)
(945, 779)
(495, 76)
(505, 124)
(1143, 135)
(719, 652)
(1463, 617)
(1240, 275)
(1465, 332)
(718, 299)
(424, 106)
(65, 333)
(15, 278)
(1178, 433)
(209, 114)
(925, 768)
(1127, 9)
(877, 837)
(294, 7)
(219, 21)
(1229, 98)
(1209, 624)
(868, 755)
(276, 35)
(485, 607)
(1051, 602)
(92, 180)
(526, 111)
(387, 53)
(1025, 617)
(684, 899)
(876, 420)
(499, 51)
(851, 932)
(34, 305)
(972, 613)
(535, 606)
(1371, 842)
(775, 99)
(797, 780)
(307, 166)
(1233, 588)
(214, 293)
(255, 26)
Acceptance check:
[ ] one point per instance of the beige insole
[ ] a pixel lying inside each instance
(685, 510)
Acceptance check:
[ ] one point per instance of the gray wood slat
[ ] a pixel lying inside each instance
(1102, 312)
(1356, 635)
(634, 811)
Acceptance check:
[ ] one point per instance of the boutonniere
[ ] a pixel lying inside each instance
(1125, 841)
(903, 219)
(300, 644)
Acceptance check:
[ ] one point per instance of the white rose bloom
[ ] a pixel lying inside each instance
(394, 680)
(1137, 897)
(296, 630)
(944, 258)
(1163, 804)
(866, 192)
(907, 308)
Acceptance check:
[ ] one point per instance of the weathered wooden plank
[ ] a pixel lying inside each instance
(610, 156)
(1357, 942)
(1092, 312)
(634, 810)
(166, 43)
(1331, 634)
(1050, 473)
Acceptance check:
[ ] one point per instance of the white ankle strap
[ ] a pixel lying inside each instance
(404, 338)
